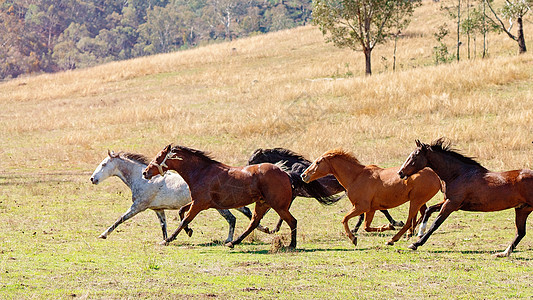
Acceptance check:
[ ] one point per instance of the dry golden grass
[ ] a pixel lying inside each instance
(285, 89)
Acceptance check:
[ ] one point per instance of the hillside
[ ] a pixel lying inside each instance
(286, 89)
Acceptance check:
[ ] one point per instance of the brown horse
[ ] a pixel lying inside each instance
(372, 188)
(471, 187)
(216, 185)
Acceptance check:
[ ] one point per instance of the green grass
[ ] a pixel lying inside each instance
(49, 249)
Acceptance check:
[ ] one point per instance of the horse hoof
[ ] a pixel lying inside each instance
(502, 254)
(264, 229)
(390, 243)
(189, 232)
(230, 244)
(354, 241)
(163, 243)
(103, 237)
(412, 247)
(399, 224)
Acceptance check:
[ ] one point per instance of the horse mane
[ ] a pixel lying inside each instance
(198, 153)
(443, 145)
(280, 151)
(135, 157)
(342, 153)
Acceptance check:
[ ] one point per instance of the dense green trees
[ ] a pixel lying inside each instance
(53, 35)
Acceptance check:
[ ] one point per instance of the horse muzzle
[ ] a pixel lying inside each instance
(402, 175)
(94, 180)
(305, 177)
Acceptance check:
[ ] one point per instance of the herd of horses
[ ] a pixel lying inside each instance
(273, 178)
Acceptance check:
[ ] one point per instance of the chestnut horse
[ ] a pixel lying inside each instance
(471, 187)
(322, 189)
(216, 185)
(372, 188)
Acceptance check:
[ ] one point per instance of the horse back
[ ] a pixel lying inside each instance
(273, 182)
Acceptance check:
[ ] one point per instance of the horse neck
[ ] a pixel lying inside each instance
(344, 169)
(447, 167)
(130, 172)
(192, 169)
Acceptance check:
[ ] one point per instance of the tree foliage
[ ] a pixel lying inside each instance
(361, 24)
(53, 35)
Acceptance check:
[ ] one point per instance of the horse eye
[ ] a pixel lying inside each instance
(104, 164)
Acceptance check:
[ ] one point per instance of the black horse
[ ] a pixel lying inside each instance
(324, 189)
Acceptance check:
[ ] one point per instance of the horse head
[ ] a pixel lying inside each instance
(105, 169)
(416, 161)
(158, 166)
(319, 168)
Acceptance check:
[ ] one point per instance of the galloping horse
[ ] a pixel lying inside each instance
(216, 185)
(371, 188)
(471, 187)
(322, 189)
(168, 192)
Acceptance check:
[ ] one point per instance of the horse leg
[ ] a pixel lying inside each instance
(430, 210)
(163, 221)
(521, 215)
(292, 222)
(391, 220)
(280, 221)
(356, 211)
(246, 211)
(132, 211)
(230, 218)
(413, 211)
(369, 218)
(189, 216)
(416, 221)
(259, 211)
(359, 222)
(182, 212)
(445, 211)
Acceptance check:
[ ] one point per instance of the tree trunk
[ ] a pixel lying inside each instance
(368, 61)
(520, 38)
(458, 27)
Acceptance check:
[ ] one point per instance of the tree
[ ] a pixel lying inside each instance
(362, 24)
(513, 10)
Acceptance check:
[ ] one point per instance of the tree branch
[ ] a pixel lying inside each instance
(501, 22)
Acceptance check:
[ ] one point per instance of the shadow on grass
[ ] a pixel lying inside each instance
(299, 250)
(488, 252)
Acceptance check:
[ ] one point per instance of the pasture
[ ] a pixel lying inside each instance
(285, 89)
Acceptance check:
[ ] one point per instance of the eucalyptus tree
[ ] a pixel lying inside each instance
(362, 24)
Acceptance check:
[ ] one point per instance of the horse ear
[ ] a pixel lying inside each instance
(167, 148)
(418, 143)
(111, 153)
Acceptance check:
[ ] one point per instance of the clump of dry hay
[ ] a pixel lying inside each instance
(278, 244)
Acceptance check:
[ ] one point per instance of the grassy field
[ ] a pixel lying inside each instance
(286, 89)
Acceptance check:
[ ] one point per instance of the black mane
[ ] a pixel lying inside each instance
(277, 154)
(200, 154)
(443, 145)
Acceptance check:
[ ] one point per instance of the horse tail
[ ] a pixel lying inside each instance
(316, 190)
(313, 189)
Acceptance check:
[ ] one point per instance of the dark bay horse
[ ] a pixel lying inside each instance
(216, 185)
(371, 188)
(471, 187)
(323, 189)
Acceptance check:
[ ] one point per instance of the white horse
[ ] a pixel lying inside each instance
(160, 193)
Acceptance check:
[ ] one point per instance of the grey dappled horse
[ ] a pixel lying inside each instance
(160, 193)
